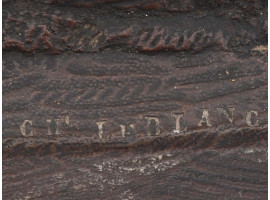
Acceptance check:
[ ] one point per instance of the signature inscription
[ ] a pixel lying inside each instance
(125, 130)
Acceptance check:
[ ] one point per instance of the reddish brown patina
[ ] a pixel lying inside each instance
(114, 99)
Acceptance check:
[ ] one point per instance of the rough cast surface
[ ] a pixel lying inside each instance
(92, 90)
